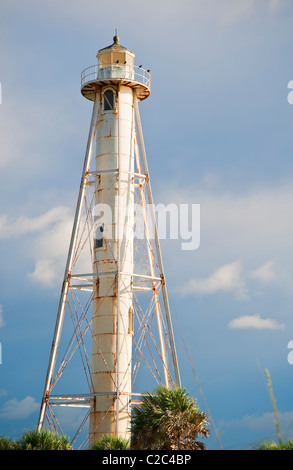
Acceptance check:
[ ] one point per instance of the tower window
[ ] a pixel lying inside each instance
(130, 321)
(99, 237)
(108, 100)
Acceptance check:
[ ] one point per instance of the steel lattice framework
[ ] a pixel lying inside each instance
(154, 361)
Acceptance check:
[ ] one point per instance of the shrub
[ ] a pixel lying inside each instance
(7, 444)
(43, 440)
(108, 442)
(273, 446)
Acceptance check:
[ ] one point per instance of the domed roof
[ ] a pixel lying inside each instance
(116, 45)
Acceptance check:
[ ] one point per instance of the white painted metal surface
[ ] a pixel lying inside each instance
(112, 301)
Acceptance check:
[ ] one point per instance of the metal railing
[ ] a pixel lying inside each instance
(113, 71)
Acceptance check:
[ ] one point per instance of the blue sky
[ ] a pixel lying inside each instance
(218, 129)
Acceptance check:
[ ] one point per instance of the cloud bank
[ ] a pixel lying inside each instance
(227, 278)
(47, 241)
(255, 322)
(19, 409)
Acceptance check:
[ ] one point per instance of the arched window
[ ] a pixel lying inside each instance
(99, 236)
(109, 100)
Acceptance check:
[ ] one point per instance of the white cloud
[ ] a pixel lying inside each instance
(46, 240)
(47, 243)
(264, 422)
(255, 322)
(49, 252)
(253, 222)
(227, 278)
(23, 225)
(230, 278)
(19, 409)
(264, 273)
(44, 273)
(251, 225)
(50, 248)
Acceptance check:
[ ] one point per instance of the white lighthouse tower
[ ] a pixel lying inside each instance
(126, 315)
(115, 91)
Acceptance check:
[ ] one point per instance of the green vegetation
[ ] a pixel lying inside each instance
(108, 442)
(168, 419)
(43, 440)
(273, 446)
(7, 444)
(36, 440)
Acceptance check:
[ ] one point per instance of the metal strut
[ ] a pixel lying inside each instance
(66, 281)
(157, 243)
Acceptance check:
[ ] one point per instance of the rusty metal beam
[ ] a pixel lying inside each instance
(65, 285)
(157, 243)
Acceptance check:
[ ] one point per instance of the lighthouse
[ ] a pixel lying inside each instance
(126, 315)
(114, 88)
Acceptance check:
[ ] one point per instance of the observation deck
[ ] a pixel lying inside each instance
(92, 78)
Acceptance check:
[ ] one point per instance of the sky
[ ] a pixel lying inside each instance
(218, 129)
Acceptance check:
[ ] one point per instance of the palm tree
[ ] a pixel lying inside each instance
(42, 440)
(7, 444)
(168, 419)
(108, 442)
